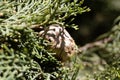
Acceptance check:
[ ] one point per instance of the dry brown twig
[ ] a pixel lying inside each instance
(99, 44)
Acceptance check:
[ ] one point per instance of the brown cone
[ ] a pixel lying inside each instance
(61, 41)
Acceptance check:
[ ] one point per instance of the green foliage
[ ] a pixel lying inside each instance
(42, 12)
(23, 56)
(112, 72)
(103, 60)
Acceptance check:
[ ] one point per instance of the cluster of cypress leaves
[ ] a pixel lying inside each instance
(23, 55)
(104, 59)
(111, 55)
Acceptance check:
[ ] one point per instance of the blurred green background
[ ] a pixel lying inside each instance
(96, 22)
(101, 19)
